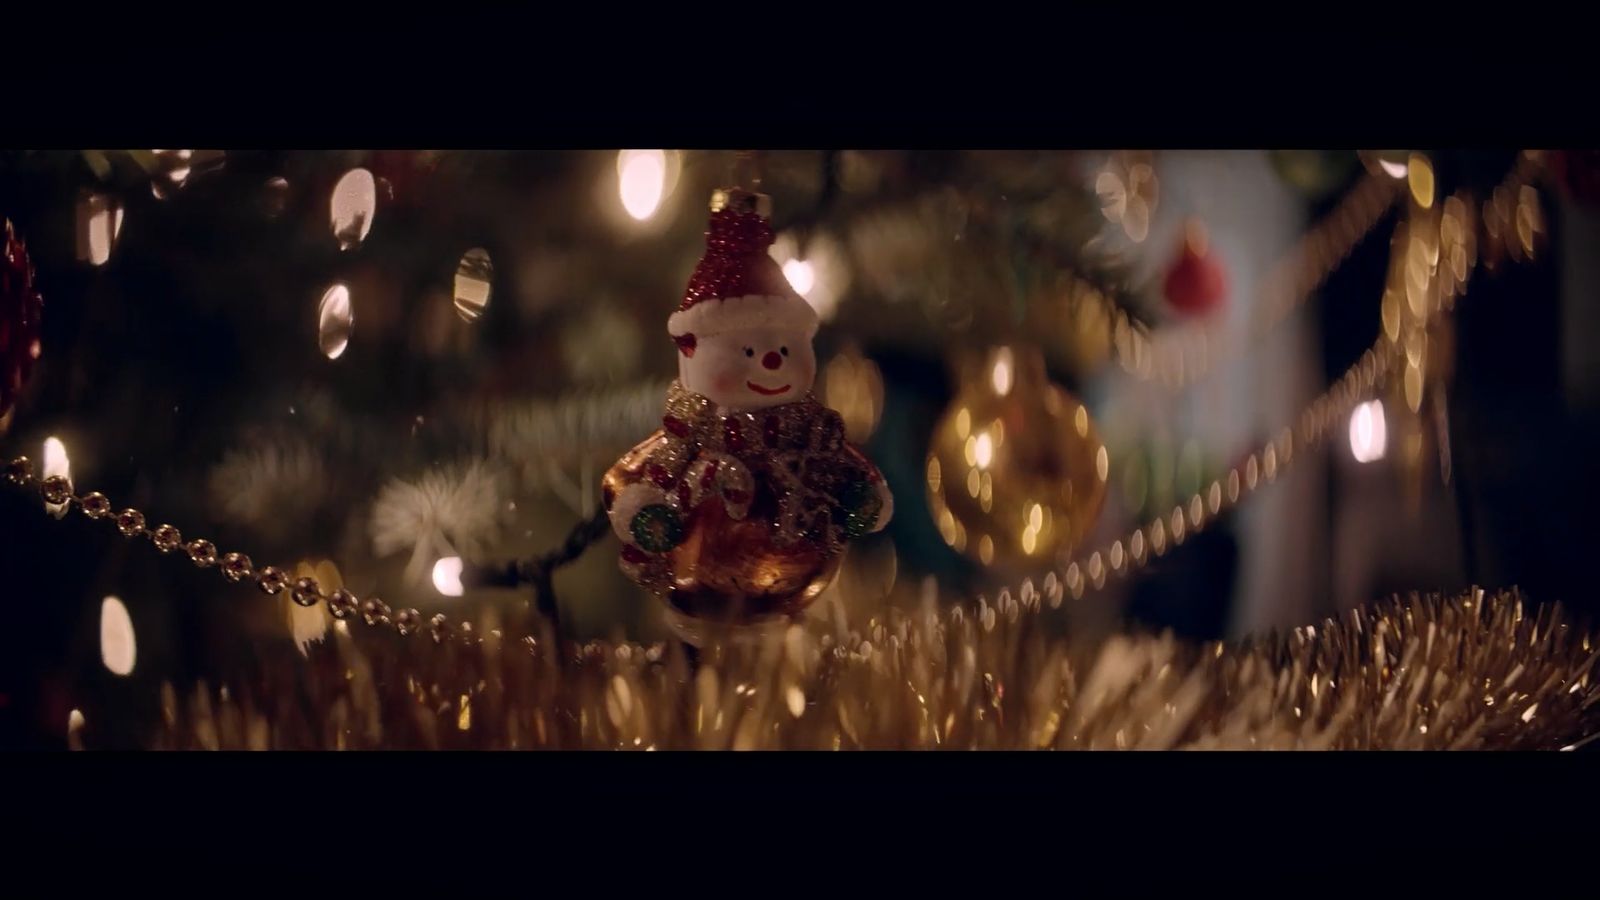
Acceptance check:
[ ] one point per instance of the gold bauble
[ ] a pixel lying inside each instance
(1016, 473)
(730, 570)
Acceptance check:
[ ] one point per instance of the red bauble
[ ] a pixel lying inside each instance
(1196, 283)
(21, 309)
(1578, 172)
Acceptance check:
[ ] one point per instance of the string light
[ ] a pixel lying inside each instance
(75, 724)
(1368, 432)
(641, 181)
(174, 168)
(983, 450)
(352, 207)
(56, 464)
(800, 276)
(117, 646)
(179, 172)
(447, 576)
(99, 226)
(1391, 163)
(1000, 374)
(820, 274)
(335, 320)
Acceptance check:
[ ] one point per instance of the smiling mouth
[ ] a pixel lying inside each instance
(770, 392)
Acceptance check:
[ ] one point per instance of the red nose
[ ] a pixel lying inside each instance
(771, 360)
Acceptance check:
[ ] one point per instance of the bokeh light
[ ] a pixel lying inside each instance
(474, 283)
(1419, 177)
(172, 170)
(1392, 163)
(817, 271)
(642, 181)
(99, 226)
(57, 464)
(117, 647)
(1368, 432)
(351, 210)
(447, 576)
(800, 276)
(335, 321)
(852, 386)
(178, 161)
(1000, 374)
(275, 196)
(1128, 191)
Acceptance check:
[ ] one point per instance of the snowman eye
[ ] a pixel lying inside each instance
(784, 350)
(749, 352)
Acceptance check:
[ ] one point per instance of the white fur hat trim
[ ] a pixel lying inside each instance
(710, 317)
(633, 498)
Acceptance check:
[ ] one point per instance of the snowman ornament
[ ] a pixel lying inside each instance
(738, 510)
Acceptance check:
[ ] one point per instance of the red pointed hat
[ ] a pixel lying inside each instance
(737, 283)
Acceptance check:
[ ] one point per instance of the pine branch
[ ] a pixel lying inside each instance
(539, 571)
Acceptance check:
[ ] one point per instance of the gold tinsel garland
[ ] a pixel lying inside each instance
(1468, 672)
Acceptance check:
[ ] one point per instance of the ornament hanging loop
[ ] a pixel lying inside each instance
(744, 193)
(748, 167)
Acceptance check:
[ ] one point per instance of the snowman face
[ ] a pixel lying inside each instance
(750, 368)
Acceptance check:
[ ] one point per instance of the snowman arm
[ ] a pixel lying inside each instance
(633, 498)
(879, 486)
(886, 511)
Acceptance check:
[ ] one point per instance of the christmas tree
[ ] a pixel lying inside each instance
(1105, 396)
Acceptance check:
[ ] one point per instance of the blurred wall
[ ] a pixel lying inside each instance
(1252, 219)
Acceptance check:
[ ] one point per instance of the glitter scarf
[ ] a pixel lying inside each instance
(789, 464)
